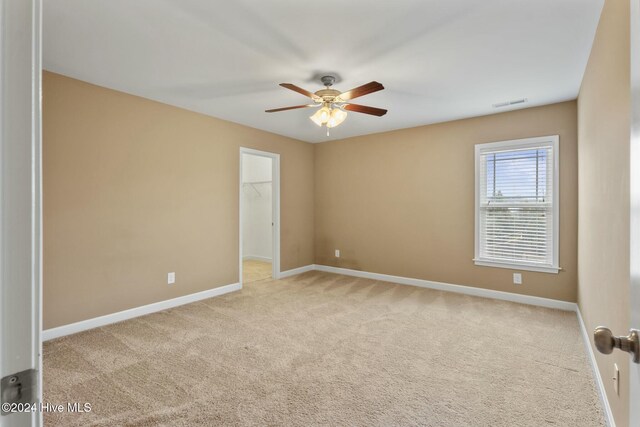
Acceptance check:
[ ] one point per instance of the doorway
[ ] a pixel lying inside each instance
(259, 215)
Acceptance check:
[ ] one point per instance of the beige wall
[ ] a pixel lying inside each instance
(402, 202)
(134, 189)
(603, 152)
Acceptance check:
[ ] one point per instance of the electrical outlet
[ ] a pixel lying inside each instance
(337, 253)
(517, 278)
(616, 378)
(171, 278)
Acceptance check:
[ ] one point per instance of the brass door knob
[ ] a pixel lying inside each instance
(605, 342)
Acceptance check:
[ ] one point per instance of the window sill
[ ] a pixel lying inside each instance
(514, 266)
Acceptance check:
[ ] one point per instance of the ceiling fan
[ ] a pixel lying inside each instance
(333, 103)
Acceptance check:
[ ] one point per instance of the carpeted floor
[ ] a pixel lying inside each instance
(253, 270)
(324, 349)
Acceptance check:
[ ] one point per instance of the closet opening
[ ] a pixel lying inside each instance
(259, 215)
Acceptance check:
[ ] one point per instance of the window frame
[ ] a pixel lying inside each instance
(552, 141)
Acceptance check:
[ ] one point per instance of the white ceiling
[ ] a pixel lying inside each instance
(438, 59)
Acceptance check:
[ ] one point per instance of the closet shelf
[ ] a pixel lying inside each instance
(253, 185)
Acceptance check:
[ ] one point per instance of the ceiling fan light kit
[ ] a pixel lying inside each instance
(333, 103)
(321, 116)
(330, 117)
(337, 116)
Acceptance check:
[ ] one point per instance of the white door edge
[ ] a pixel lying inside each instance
(634, 291)
(21, 197)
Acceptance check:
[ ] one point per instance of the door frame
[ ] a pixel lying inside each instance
(21, 197)
(634, 235)
(275, 178)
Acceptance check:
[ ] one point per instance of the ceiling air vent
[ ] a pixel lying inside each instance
(508, 103)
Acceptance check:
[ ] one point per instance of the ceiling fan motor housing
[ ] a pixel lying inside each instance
(328, 95)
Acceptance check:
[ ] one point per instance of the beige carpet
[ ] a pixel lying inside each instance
(253, 270)
(324, 349)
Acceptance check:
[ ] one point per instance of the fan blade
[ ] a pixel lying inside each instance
(361, 90)
(366, 110)
(275, 110)
(300, 90)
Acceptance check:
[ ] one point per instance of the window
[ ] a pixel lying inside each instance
(517, 204)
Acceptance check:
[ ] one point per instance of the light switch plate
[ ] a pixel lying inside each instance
(171, 278)
(337, 253)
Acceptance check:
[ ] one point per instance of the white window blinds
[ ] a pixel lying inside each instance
(516, 212)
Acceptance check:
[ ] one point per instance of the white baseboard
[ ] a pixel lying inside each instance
(108, 319)
(256, 258)
(298, 270)
(608, 415)
(468, 290)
